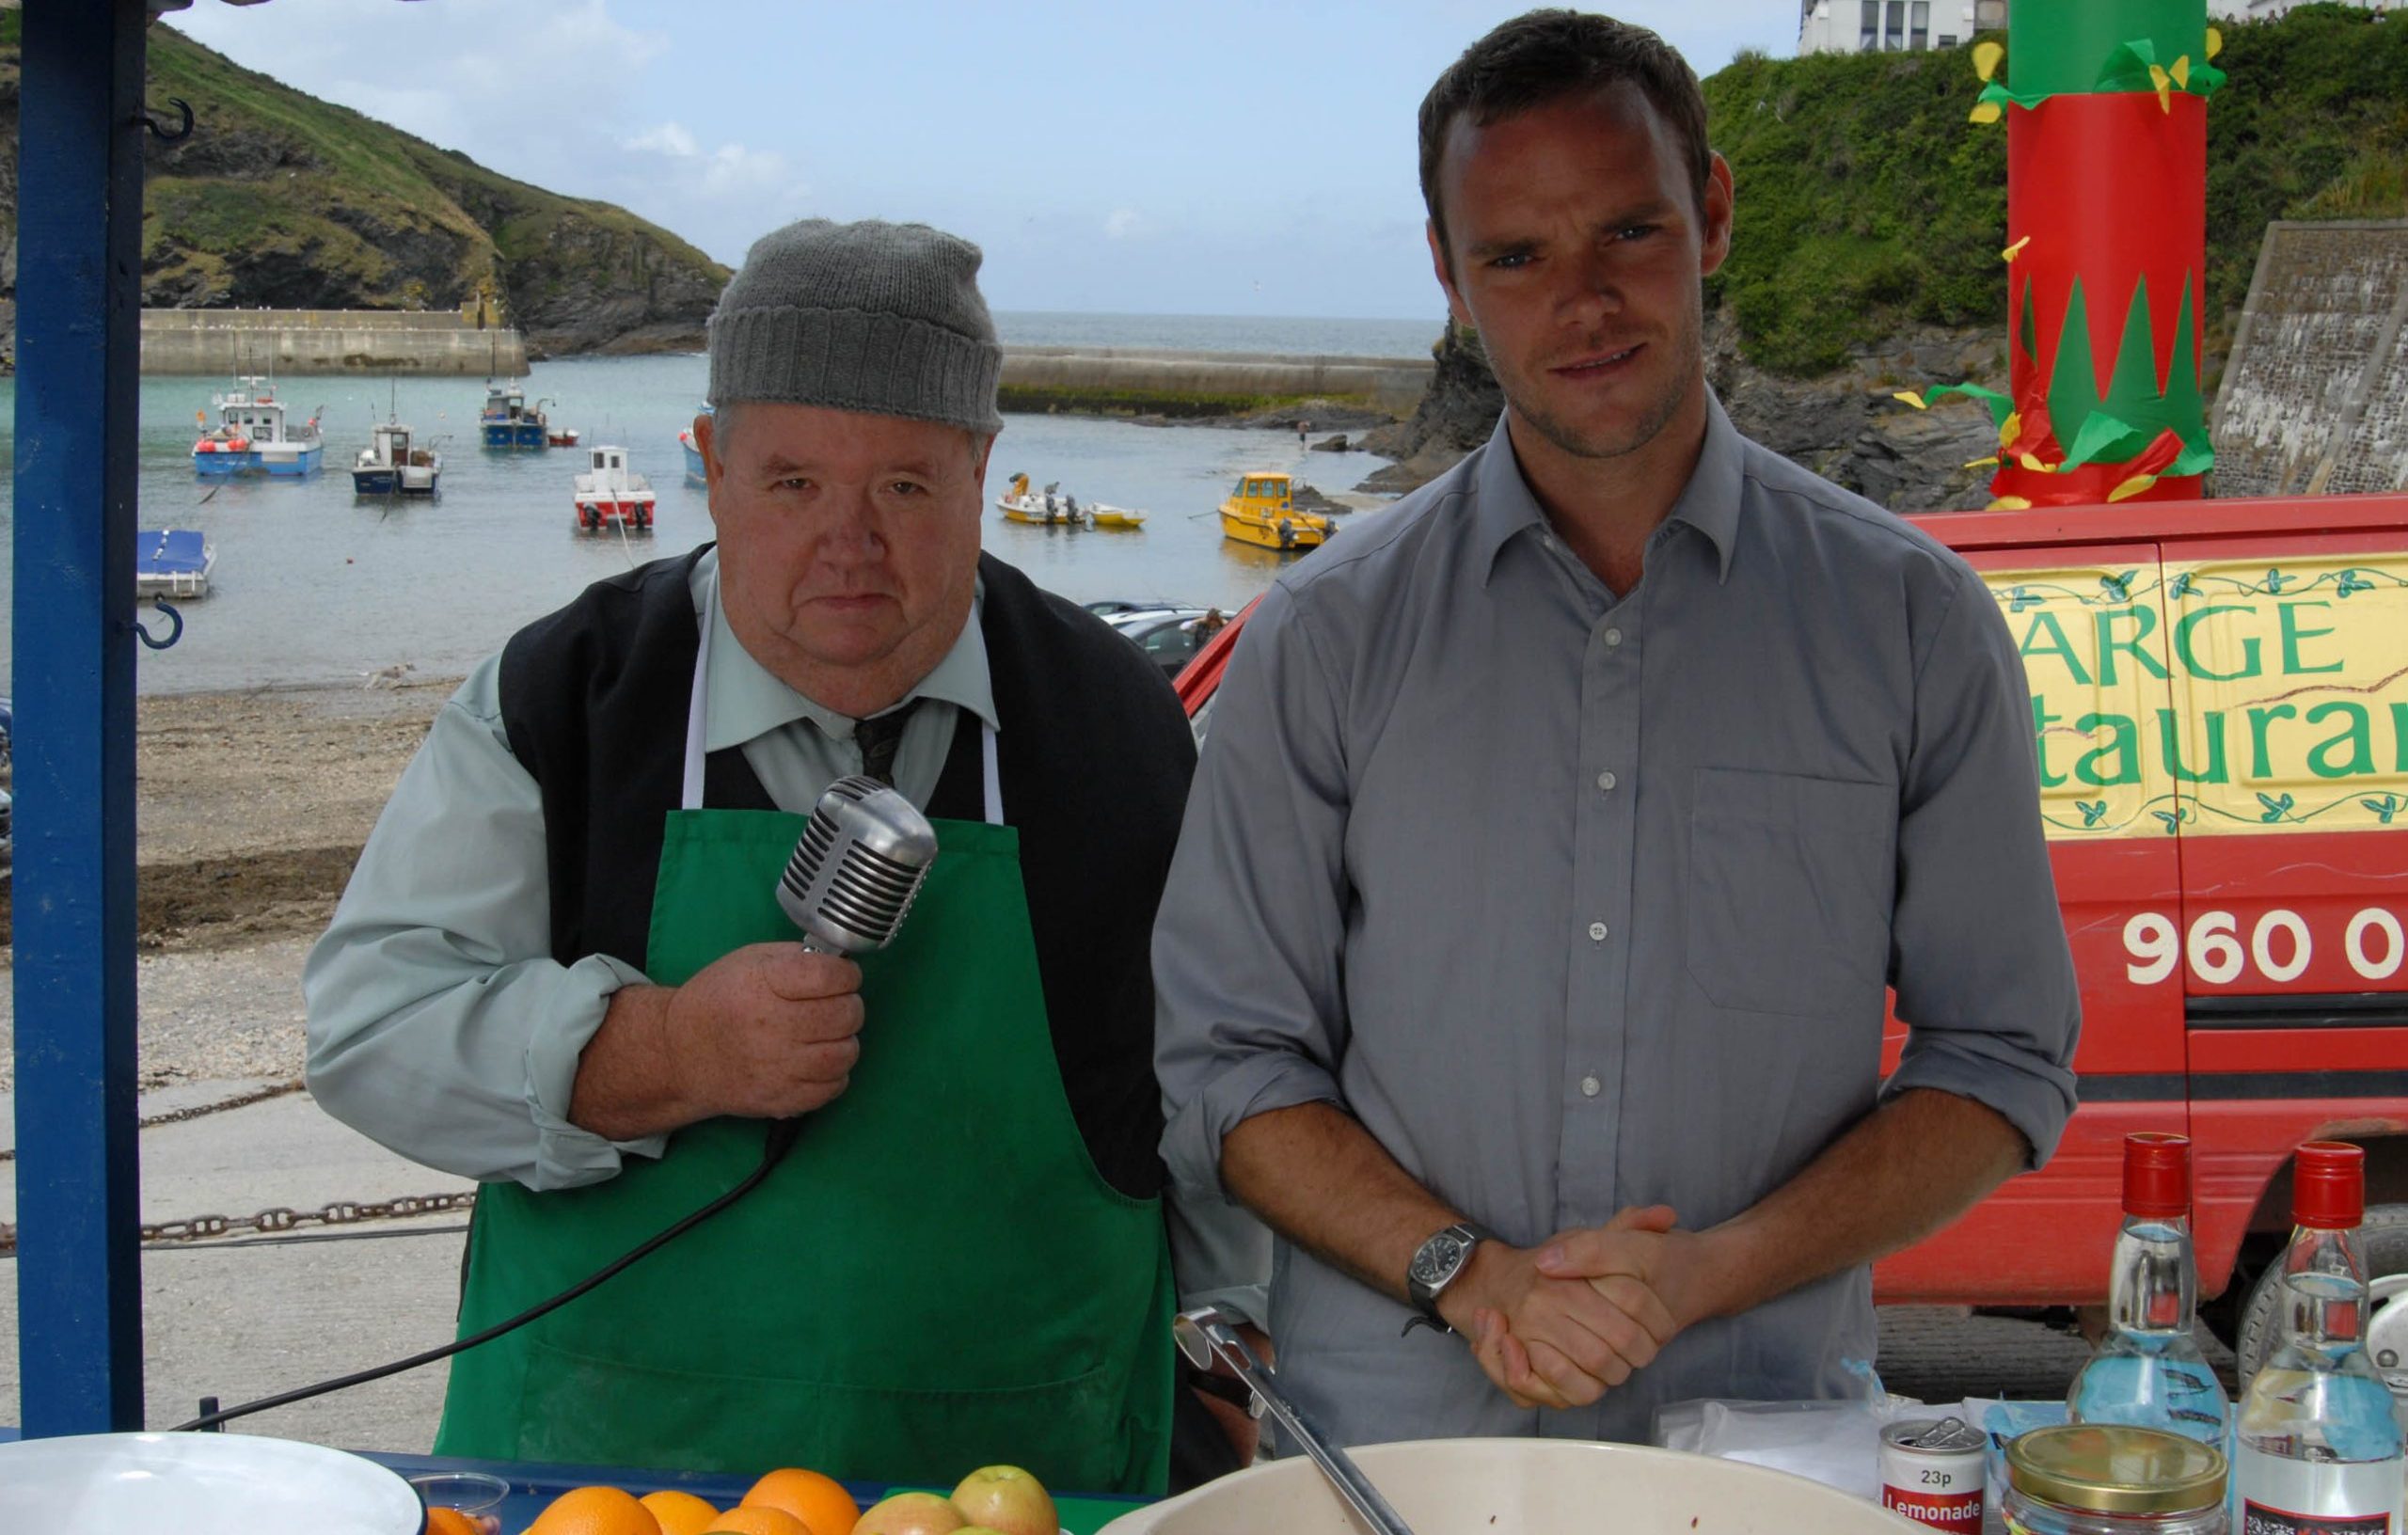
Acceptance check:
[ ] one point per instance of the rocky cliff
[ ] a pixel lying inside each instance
(283, 201)
(1845, 426)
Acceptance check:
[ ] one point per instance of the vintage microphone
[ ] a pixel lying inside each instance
(860, 862)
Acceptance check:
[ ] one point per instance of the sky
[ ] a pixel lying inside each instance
(1243, 157)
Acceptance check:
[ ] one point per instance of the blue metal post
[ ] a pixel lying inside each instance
(79, 223)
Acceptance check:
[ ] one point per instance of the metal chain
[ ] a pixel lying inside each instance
(343, 1212)
(177, 1117)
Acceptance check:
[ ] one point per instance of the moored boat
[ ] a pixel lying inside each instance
(608, 493)
(695, 469)
(252, 436)
(392, 464)
(508, 420)
(1046, 508)
(172, 562)
(1262, 511)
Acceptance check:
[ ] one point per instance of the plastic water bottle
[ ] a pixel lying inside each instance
(2318, 1448)
(2149, 1371)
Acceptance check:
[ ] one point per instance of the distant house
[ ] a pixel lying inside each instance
(1867, 27)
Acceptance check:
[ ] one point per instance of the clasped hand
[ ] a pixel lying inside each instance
(769, 1031)
(1560, 1324)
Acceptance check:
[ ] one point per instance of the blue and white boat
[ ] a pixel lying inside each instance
(172, 562)
(694, 466)
(509, 422)
(389, 465)
(252, 436)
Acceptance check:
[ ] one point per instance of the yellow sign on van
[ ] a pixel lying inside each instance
(2216, 697)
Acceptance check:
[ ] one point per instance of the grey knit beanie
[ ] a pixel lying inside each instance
(875, 317)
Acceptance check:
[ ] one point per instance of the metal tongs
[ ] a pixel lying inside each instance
(1206, 1335)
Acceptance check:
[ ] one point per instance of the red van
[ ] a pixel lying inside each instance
(2220, 697)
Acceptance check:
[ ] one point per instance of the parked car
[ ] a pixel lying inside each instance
(1168, 636)
(2220, 706)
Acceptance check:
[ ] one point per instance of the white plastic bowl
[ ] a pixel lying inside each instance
(198, 1484)
(1521, 1487)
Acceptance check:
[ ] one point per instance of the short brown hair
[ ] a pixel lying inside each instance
(1542, 57)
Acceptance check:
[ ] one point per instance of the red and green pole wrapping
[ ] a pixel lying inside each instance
(2105, 102)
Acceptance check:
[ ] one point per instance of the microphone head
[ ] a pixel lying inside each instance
(860, 862)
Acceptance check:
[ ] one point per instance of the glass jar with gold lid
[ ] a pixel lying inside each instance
(2105, 1479)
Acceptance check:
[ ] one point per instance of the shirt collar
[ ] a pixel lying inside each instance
(746, 699)
(1709, 502)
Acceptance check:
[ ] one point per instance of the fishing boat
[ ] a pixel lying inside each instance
(252, 436)
(1262, 511)
(695, 468)
(608, 493)
(391, 466)
(509, 422)
(1046, 508)
(172, 562)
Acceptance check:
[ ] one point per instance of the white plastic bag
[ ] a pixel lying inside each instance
(1835, 1442)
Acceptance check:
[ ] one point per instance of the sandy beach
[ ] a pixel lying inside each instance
(253, 807)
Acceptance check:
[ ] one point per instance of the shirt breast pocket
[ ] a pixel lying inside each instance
(1790, 883)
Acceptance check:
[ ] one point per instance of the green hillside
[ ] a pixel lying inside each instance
(283, 200)
(1867, 202)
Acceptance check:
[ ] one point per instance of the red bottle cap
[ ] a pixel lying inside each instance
(2157, 1175)
(2329, 1186)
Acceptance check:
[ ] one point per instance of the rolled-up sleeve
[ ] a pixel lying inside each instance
(1248, 1012)
(1979, 956)
(439, 1024)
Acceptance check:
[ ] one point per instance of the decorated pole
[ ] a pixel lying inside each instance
(2105, 104)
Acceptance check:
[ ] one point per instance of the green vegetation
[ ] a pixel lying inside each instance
(1047, 399)
(1867, 202)
(281, 199)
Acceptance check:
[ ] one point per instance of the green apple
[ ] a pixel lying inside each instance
(1007, 1498)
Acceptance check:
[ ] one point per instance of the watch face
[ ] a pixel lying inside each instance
(1438, 1259)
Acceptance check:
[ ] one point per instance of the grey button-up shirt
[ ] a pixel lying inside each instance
(1579, 902)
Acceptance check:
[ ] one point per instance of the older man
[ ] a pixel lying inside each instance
(561, 967)
(1573, 819)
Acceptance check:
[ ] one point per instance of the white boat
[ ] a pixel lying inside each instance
(172, 562)
(610, 492)
(390, 466)
(252, 436)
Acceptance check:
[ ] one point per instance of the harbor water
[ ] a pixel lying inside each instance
(314, 585)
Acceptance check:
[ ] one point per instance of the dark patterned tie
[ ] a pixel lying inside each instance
(879, 737)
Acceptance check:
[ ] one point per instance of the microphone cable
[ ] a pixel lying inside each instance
(780, 1140)
(838, 886)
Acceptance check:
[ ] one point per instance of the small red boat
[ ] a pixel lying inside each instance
(609, 493)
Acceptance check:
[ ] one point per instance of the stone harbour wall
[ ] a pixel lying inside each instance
(225, 342)
(2315, 398)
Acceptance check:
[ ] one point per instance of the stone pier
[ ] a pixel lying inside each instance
(284, 342)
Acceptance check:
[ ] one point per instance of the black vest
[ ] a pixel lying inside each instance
(1093, 753)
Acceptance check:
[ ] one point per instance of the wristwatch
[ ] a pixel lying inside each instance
(1436, 1263)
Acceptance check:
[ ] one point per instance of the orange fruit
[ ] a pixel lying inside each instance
(679, 1513)
(594, 1511)
(451, 1522)
(819, 1501)
(755, 1519)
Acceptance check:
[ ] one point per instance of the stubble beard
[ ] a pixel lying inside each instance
(1609, 442)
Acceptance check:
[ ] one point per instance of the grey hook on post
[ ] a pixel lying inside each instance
(174, 634)
(165, 135)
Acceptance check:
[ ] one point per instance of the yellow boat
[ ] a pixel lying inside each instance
(1018, 503)
(1263, 513)
(1114, 517)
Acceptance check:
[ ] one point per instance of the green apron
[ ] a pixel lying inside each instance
(936, 1278)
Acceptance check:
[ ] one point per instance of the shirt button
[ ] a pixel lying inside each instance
(1597, 931)
(1613, 637)
(1606, 781)
(1591, 1086)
